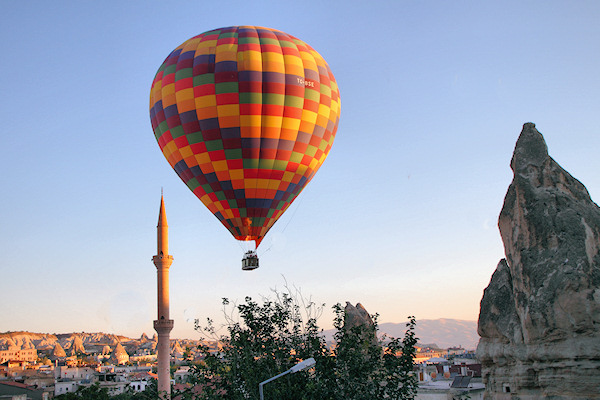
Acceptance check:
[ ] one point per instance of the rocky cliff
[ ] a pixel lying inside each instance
(540, 315)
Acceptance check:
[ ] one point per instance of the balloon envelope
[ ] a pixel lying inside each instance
(246, 116)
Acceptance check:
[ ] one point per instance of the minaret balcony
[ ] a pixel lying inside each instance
(161, 257)
(163, 325)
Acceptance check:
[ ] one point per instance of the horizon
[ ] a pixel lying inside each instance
(402, 216)
(448, 339)
(172, 338)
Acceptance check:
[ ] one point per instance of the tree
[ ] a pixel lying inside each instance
(95, 392)
(187, 355)
(369, 369)
(265, 340)
(151, 393)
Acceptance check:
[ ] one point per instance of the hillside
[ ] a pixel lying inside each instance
(443, 332)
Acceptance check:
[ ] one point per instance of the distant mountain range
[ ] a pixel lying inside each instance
(443, 332)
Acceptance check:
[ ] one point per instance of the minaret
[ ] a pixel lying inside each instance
(163, 324)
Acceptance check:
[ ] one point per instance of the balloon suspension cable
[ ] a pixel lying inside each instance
(239, 242)
(245, 245)
(286, 225)
(268, 248)
(293, 214)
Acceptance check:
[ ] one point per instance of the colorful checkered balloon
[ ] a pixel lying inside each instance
(246, 116)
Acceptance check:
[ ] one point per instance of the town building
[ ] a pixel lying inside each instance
(21, 391)
(15, 354)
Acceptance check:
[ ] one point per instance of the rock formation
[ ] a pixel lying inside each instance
(540, 315)
(77, 346)
(99, 345)
(58, 351)
(9, 344)
(176, 350)
(114, 340)
(355, 316)
(119, 355)
(359, 317)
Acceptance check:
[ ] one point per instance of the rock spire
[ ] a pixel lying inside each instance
(119, 355)
(58, 351)
(540, 315)
(359, 317)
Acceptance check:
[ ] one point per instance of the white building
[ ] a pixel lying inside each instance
(182, 374)
(65, 386)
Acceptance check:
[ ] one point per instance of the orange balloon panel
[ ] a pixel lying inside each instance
(246, 116)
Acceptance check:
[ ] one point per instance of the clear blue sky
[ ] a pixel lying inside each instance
(401, 217)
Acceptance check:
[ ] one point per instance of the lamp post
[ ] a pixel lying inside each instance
(309, 362)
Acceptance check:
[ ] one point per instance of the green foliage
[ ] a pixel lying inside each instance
(95, 392)
(461, 395)
(264, 340)
(187, 355)
(151, 393)
(370, 369)
(269, 339)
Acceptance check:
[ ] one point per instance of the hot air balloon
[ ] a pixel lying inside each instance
(246, 116)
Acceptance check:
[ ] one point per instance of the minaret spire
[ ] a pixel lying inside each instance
(163, 325)
(163, 230)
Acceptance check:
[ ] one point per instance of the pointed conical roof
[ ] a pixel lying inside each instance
(162, 231)
(162, 214)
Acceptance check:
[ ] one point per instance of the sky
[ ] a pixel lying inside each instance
(401, 217)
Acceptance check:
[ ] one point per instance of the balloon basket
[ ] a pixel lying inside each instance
(250, 261)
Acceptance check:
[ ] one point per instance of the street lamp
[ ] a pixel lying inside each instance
(309, 362)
